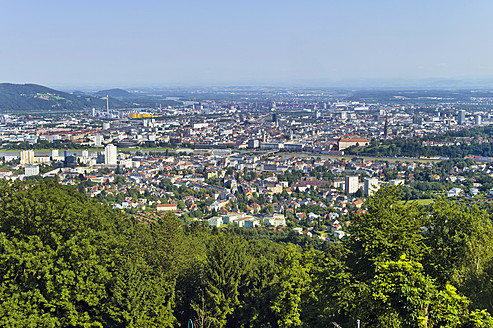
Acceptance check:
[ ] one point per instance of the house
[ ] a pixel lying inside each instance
(308, 233)
(339, 234)
(357, 203)
(5, 173)
(301, 216)
(250, 222)
(167, 207)
(313, 216)
(298, 230)
(335, 226)
(454, 192)
(275, 220)
(218, 204)
(231, 216)
(246, 222)
(215, 221)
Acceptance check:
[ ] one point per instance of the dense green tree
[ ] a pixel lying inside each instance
(402, 295)
(460, 240)
(388, 230)
(58, 252)
(225, 273)
(294, 284)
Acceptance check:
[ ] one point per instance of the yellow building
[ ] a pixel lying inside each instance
(27, 157)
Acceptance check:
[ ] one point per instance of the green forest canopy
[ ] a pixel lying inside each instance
(68, 261)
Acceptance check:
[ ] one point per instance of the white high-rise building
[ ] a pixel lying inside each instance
(27, 157)
(98, 140)
(352, 184)
(110, 154)
(54, 154)
(371, 185)
(477, 120)
(85, 154)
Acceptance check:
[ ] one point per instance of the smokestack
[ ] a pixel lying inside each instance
(107, 105)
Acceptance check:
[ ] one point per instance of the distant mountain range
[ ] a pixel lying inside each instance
(34, 97)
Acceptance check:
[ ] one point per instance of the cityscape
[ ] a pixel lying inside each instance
(294, 166)
(258, 164)
(240, 157)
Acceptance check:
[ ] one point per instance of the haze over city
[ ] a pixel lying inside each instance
(191, 43)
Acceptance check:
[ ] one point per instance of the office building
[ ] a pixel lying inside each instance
(30, 170)
(253, 143)
(27, 157)
(100, 157)
(274, 117)
(110, 154)
(352, 184)
(54, 154)
(462, 117)
(70, 161)
(371, 185)
(477, 119)
(98, 140)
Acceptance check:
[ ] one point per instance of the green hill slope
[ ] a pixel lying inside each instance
(28, 97)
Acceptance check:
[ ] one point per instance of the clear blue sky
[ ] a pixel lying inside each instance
(208, 42)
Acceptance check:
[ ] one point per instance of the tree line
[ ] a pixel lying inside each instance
(413, 147)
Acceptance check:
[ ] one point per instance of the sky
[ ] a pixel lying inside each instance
(249, 42)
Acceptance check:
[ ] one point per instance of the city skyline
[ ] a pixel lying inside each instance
(190, 43)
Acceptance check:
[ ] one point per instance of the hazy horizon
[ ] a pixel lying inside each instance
(259, 43)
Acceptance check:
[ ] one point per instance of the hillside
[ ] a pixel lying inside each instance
(29, 97)
(137, 99)
(115, 93)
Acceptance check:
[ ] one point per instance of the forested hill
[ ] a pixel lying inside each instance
(33, 97)
(68, 261)
(115, 93)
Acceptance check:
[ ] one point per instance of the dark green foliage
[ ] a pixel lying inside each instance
(413, 147)
(68, 261)
(387, 231)
(58, 252)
